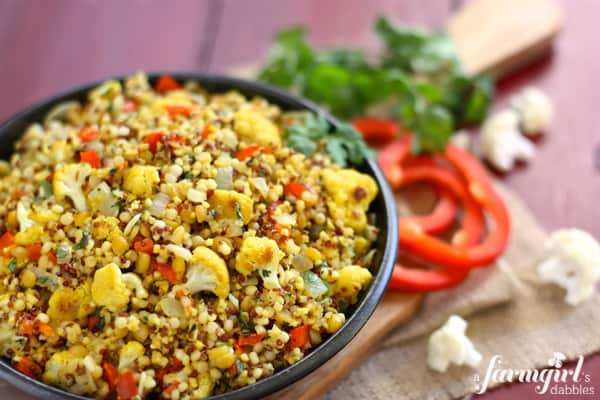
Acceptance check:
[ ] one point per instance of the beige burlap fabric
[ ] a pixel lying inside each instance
(509, 315)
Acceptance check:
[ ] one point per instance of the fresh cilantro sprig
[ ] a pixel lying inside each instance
(343, 144)
(418, 78)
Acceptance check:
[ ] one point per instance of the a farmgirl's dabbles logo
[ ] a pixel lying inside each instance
(552, 380)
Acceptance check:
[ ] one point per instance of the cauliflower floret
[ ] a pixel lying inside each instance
(351, 280)
(140, 179)
(535, 110)
(133, 282)
(105, 227)
(67, 304)
(221, 356)
(129, 353)
(109, 290)
(103, 200)
(230, 204)
(262, 255)
(68, 182)
(23, 217)
(450, 345)
(350, 194)
(502, 143)
(255, 127)
(60, 368)
(207, 271)
(572, 261)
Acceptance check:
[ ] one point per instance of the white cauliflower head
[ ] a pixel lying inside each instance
(572, 261)
(68, 182)
(502, 143)
(450, 345)
(207, 272)
(535, 110)
(23, 217)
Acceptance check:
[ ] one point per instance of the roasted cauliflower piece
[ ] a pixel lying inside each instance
(68, 182)
(104, 227)
(230, 204)
(23, 217)
(68, 304)
(262, 255)
(351, 280)
(140, 180)
(207, 271)
(129, 353)
(257, 128)
(59, 369)
(103, 200)
(109, 290)
(350, 193)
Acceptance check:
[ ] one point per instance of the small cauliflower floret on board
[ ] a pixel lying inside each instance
(262, 255)
(129, 353)
(207, 271)
(68, 182)
(230, 204)
(257, 128)
(572, 261)
(450, 345)
(351, 280)
(350, 193)
(68, 304)
(63, 366)
(109, 290)
(140, 180)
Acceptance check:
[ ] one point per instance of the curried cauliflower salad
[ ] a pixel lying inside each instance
(164, 242)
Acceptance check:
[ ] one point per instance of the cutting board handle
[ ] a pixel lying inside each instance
(500, 36)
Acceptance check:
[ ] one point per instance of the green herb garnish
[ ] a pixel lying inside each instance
(238, 211)
(62, 252)
(83, 242)
(418, 79)
(42, 280)
(316, 286)
(246, 325)
(45, 190)
(240, 366)
(265, 272)
(12, 265)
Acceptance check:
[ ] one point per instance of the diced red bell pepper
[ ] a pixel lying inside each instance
(175, 110)
(299, 336)
(166, 271)
(152, 140)
(90, 157)
(294, 189)
(376, 130)
(127, 387)
(249, 151)
(250, 340)
(144, 245)
(165, 84)
(88, 134)
(7, 239)
(110, 375)
(28, 367)
(34, 251)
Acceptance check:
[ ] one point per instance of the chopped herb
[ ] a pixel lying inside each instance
(12, 265)
(240, 366)
(212, 213)
(192, 158)
(316, 286)
(63, 252)
(265, 272)
(42, 280)
(45, 189)
(238, 211)
(246, 325)
(83, 242)
(112, 171)
(191, 329)
(188, 175)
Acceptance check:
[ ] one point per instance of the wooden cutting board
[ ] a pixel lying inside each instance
(498, 36)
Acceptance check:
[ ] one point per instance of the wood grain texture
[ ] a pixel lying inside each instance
(502, 36)
(49, 46)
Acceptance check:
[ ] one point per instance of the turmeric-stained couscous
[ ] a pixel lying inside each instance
(165, 242)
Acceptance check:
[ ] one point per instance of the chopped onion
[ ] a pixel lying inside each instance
(61, 110)
(224, 178)
(285, 219)
(180, 251)
(132, 223)
(104, 199)
(260, 184)
(172, 307)
(159, 203)
(302, 263)
(250, 281)
(234, 301)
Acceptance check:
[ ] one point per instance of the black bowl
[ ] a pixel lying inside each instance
(383, 206)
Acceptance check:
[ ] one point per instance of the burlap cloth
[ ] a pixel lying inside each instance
(509, 314)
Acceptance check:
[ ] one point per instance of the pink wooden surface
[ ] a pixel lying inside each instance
(47, 46)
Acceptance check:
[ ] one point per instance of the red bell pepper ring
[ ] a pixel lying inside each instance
(481, 190)
(391, 158)
(376, 130)
(442, 216)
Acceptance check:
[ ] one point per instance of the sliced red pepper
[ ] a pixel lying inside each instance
(52, 257)
(294, 189)
(90, 157)
(376, 130)
(44, 328)
(250, 340)
(175, 110)
(26, 327)
(166, 271)
(34, 251)
(172, 386)
(206, 132)
(28, 367)
(88, 134)
(110, 375)
(152, 140)
(166, 83)
(232, 371)
(391, 158)
(480, 188)
(249, 151)
(126, 386)
(299, 336)
(441, 218)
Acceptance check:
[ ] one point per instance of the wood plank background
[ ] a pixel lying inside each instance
(47, 46)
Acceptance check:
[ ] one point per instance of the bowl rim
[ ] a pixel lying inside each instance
(329, 347)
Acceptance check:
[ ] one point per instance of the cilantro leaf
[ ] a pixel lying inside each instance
(85, 238)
